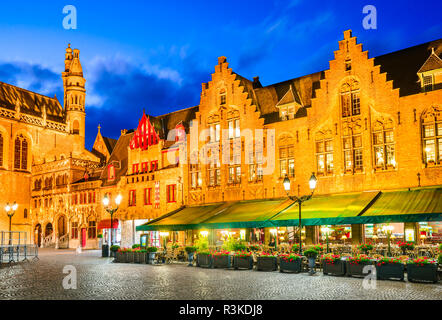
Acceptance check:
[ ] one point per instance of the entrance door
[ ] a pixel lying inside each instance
(61, 226)
(48, 230)
(37, 235)
(83, 237)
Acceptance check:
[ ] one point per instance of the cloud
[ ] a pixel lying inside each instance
(32, 77)
(118, 89)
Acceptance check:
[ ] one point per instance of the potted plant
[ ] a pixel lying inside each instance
(254, 247)
(290, 262)
(389, 268)
(123, 254)
(267, 262)
(113, 250)
(332, 263)
(318, 247)
(422, 269)
(405, 246)
(150, 256)
(190, 253)
(222, 259)
(204, 259)
(365, 248)
(355, 265)
(242, 260)
(311, 255)
(295, 247)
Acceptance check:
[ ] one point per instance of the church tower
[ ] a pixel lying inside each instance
(74, 94)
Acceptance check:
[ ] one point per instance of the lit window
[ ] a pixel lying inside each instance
(324, 157)
(353, 160)
(428, 83)
(287, 161)
(147, 196)
(383, 149)
(350, 100)
(92, 230)
(432, 142)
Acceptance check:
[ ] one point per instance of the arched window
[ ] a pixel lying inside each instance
(1, 150)
(432, 136)
(75, 127)
(350, 101)
(21, 153)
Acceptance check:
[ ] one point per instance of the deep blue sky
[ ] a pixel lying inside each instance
(154, 55)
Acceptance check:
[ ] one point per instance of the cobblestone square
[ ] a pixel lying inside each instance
(99, 278)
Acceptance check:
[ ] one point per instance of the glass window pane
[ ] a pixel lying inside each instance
(430, 150)
(389, 137)
(329, 162)
(429, 131)
(291, 168)
(319, 147)
(377, 138)
(230, 129)
(237, 129)
(321, 163)
(328, 146)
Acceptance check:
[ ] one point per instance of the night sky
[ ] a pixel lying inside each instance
(154, 55)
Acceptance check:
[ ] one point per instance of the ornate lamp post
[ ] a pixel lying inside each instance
(10, 211)
(111, 211)
(388, 230)
(300, 200)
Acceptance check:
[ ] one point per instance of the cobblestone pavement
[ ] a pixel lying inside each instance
(99, 278)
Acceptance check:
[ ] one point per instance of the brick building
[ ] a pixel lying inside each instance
(369, 128)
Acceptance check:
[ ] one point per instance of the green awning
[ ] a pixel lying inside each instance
(183, 219)
(327, 210)
(247, 214)
(416, 205)
(239, 214)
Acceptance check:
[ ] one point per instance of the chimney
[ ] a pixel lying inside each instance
(256, 83)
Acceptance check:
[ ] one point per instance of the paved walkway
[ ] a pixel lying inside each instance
(99, 278)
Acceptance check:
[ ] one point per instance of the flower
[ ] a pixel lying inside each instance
(331, 258)
(383, 261)
(289, 257)
(358, 259)
(421, 261)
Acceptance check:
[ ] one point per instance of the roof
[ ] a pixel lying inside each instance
(110, 143)
(402, 66)
(166, 122)
(118, 157)
(30, 102)
(433, 62)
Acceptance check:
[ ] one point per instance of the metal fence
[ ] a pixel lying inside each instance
(14, 249)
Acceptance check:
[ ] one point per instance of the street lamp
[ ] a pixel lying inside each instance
(388, 230)
(300, 200)
(10, 211)
(111, 210)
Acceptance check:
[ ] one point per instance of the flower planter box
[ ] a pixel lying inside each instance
(129, 257)
(243, 262)
(426, 273)
(390, 271)
(337, 268)
(266, 264)
(224, 261)
(204, 260)
(119, 257)
(357, 269)
(290, 266)
(137, 256)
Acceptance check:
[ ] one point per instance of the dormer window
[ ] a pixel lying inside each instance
(427, 83)
(287, 112)
(347, 65)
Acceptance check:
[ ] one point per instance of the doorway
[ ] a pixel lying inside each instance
(83, 237)
(48, 229)
(37, 235)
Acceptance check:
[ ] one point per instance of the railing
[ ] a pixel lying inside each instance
(48, 241)
(14, 249)
(63, 242)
